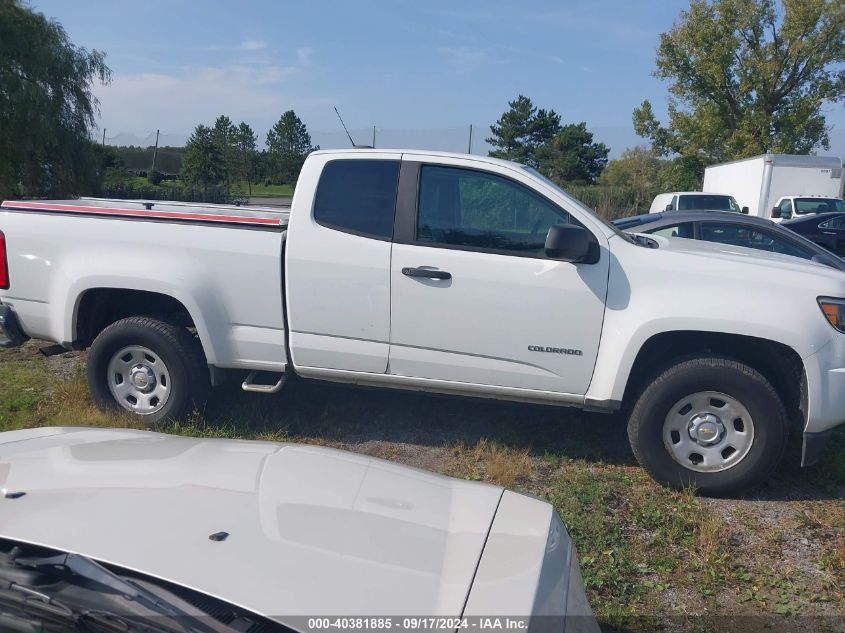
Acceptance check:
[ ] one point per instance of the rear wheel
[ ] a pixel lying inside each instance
(147, 367)
(711, 423)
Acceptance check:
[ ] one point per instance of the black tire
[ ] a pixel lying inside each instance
(178, 349)
(701, 374)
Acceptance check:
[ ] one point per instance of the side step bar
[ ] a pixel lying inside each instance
(249, 383)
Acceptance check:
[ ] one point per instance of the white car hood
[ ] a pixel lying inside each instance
(312, 531)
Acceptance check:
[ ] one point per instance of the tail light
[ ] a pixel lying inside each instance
(4, 264)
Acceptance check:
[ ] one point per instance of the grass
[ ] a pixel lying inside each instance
(646, 553)
(22, 389)
(638, 540)
(492, 462)
(260, 190)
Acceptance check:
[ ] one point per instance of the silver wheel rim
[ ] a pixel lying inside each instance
(139, 380)
(708, 431)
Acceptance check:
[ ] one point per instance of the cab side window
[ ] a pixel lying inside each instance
(474, 210)
(358, 196)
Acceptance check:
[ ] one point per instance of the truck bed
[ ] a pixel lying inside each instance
(158, 210)
(221, 263)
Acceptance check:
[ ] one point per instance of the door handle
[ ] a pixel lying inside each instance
(426, 273)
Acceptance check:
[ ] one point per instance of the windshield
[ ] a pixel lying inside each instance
(616, 230)
(819, 205)
(45, 591)
(707, 202)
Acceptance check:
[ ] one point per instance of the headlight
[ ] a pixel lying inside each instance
(834, 312)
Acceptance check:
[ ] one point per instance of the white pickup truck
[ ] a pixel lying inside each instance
(445, 273)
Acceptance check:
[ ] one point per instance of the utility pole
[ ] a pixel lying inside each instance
(155, 154)
(104, 137)
(469, 149)
(374, 136)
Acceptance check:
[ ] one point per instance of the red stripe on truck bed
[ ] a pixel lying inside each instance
(139, 213)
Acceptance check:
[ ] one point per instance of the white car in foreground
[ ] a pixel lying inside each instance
(116, 528)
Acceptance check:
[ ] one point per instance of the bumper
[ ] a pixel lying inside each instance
(10, 332)
(825, 371)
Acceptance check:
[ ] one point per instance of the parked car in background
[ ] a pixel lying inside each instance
(794, 206)
(761, 181)
(732, 229)
(144, 531)
(694, 201)
(825, 229)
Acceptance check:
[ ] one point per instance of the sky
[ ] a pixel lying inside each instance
(421, 71)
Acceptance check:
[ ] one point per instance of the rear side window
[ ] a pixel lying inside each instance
(741, 235)
(835, 223)
(358, 196)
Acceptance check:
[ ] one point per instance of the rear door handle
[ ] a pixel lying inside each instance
(427, 273)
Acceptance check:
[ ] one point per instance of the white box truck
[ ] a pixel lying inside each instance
(760, 182)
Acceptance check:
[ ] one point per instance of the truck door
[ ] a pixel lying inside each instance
(475, 299)
(338, 263)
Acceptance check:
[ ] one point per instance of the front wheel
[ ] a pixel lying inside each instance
(147, 367)
(710, 423)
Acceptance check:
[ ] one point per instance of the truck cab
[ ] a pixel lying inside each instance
(789, 207)
(694, 201)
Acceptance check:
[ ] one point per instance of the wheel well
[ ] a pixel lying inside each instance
(778, 363)
(100, 307)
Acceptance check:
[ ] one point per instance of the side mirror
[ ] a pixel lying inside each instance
(775, 212)
(668, 207)
(571, 243)
(744, 210)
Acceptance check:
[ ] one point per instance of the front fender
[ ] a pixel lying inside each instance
(655, 291)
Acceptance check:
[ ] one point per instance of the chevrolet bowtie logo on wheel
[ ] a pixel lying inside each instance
(555, 350)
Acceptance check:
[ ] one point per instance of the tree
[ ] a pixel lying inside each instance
(643, 170)
(288, 143)
(224, 136)
(571, 155)
(535, 137)
(245, 142)
(683, 173)
(637, 167)
(47, 106)
(201, 163)
(748, 77)
(521, 130)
